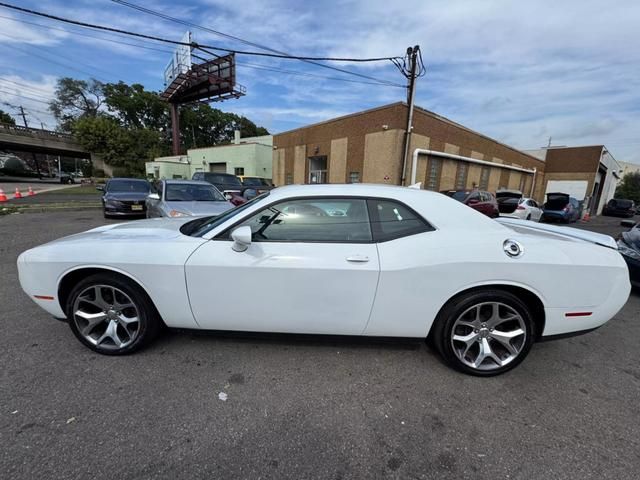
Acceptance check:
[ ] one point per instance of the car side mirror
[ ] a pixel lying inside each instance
(228, 196)
(100, 188)
(241, 237)
(628, 223)
(153, 196)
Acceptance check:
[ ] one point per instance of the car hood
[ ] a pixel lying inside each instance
(139, 230)
(126, 196)
(200, 208)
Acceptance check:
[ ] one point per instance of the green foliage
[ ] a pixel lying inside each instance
(6, 118)
(135, 126)
(629, 187)
(76, 99)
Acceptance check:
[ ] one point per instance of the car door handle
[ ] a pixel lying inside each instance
(358, 259)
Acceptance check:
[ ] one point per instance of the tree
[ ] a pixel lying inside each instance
(135, 107)
(6, 118)
(76, 99)
(629, 187)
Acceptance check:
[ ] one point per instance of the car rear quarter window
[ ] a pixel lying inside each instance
(391, 219)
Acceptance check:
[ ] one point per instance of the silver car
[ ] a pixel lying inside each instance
(184, 198)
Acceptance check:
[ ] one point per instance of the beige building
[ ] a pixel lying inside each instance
(369, 146)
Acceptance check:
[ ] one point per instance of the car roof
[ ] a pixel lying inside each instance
(178, 181)
(129, 179)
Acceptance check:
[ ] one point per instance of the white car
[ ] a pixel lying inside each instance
(395, 262)
(511, 203)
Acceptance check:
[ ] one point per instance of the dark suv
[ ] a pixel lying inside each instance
(225, 182)
(618, 207)
(479, 200)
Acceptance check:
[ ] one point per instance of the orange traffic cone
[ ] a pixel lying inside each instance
(31, 192)
(3, 197)
(17, 194)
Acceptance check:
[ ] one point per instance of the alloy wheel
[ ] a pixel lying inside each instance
(488, 336)
(106, 317)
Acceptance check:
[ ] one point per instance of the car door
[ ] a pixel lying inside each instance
(312, 267)
(536, 211)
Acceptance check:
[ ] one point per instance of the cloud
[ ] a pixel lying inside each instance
(14, 32)
(33, 94)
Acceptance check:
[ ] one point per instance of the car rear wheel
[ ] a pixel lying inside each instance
(484, 333)
(112, 315)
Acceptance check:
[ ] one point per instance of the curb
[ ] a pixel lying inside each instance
(52, 208)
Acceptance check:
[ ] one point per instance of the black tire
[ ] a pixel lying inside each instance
(443, 328)
(149, 322)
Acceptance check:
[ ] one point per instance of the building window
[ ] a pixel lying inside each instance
(288, 179)
(354, 177)
(461, 175)
(434, 169)
(484, 178)
(238, 171)
(318, 169)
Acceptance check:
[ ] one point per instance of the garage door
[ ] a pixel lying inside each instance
(218, 167)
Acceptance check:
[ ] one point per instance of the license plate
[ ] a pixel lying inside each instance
(136, 207)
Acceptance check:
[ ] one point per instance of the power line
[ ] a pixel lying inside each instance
(210, 47)
(40, 91)
(275, 53)
(76, 32)
(24, 96)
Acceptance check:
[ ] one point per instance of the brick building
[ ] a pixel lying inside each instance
(368, 147)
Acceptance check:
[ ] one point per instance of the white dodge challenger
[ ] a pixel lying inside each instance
(335, 259)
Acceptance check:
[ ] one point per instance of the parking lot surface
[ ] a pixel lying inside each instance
(303, 408)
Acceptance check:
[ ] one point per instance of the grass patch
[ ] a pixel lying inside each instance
(81, 190)
(7, 210)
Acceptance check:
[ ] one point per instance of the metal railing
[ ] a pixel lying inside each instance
(34, 132)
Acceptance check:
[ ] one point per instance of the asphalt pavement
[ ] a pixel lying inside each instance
(302, 408)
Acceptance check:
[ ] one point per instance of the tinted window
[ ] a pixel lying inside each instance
(128, 186)
(312, 220)
(255, 182)
(390, 219)
(459, 195)
(221, 178)
(474, 196)
(188, 192)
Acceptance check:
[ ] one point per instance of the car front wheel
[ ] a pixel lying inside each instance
(111, 314)
(484, 333)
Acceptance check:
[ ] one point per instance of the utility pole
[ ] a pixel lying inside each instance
(412, 53)
(26, 125)
(24, 116)
(175, 128)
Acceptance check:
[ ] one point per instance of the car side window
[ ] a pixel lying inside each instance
(391, 219)
(327, 220)
(474, 196)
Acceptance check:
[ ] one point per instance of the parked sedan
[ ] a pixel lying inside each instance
(370, 260)
(184, 198)
(124, 197)
(560, 207)
(512, 203)
(619, 207)
(479, 200)
(629, 248)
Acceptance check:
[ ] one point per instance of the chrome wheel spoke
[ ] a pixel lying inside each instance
(485, 352)
(92, 319)
(505, 338)
(111, 333)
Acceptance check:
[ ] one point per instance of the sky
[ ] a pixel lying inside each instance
(524, 73)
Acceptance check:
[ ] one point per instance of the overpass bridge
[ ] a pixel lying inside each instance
(34, 140)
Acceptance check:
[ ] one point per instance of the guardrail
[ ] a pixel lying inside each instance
(34, 132)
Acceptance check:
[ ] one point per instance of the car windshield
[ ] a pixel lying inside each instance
(212, 222)
(228, 179)
(255, 182)
(460, 195)
(138, 186)
(189, 192)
